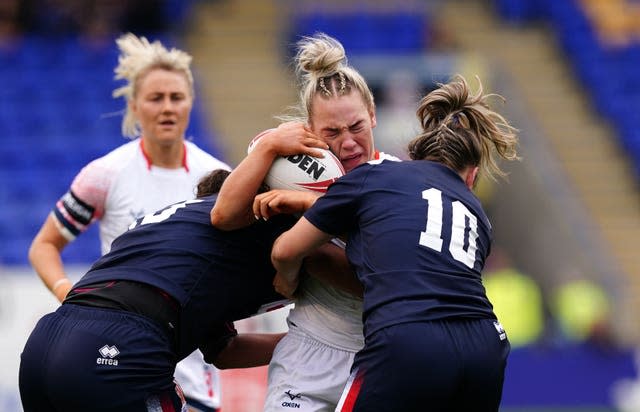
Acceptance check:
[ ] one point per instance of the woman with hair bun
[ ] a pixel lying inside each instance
(418, 239)
(159, 166)
(336, 109)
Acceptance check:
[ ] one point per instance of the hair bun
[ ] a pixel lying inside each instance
(320, 56)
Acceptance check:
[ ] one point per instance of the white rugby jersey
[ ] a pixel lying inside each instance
(328, 314)
(118, 188)
(123, 185)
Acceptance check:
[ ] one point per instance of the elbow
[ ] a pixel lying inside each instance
(219, 220)
(282, 253)
(227, 222)
(33, 251)
(37, 249)
(277, 255)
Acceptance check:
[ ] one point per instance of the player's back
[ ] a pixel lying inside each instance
(214, 275)
(418, 241)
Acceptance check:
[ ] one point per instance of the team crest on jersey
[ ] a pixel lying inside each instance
(136, 214)
(108, 355)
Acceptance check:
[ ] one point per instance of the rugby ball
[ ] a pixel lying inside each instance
(301, 171)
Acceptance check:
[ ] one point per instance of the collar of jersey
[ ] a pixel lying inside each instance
(150, 162)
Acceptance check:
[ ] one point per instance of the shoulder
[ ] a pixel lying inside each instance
(100, 174)
(197, 157)
(107, 167)
(119, 157)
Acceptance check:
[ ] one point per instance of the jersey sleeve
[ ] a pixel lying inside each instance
(84, 202)
(335, 212)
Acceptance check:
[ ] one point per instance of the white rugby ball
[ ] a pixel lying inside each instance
(301, 171)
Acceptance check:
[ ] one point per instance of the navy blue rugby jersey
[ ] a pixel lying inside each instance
(417, 238)
(216, 276)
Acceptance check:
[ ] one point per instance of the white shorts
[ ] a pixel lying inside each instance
(306, 375)
(200, 382)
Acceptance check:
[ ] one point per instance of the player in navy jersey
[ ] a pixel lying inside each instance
(171, 284)
(418, 239)
(160, 166)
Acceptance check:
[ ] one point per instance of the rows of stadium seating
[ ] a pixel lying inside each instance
(364, 31)
(608, 72)
(57, 114)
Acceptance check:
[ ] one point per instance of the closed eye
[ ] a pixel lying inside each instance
(330, 133)
(357, 127)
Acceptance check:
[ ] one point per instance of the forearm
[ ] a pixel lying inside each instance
(287, 266)
(248, 350)
(329, 264)
(290, 249)
(288, 270)
(47, 263)
(233, 208)
(45, 258)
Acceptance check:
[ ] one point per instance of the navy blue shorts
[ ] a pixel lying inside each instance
(91, 359)
(430, 366)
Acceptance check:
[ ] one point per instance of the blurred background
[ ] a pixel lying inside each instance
(564, 271)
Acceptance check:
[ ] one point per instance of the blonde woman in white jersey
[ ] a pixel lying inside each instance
(156, 168)
(311, 364)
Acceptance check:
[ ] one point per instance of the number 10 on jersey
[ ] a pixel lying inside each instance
(464, 224)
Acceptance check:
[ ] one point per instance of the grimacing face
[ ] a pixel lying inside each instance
(346, 125)
(162, 105)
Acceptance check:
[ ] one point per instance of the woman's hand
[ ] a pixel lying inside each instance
(233, 208)
(281, 201)
(292, 138)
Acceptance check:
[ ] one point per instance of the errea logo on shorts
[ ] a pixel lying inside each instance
(108, 354)
(501, 333)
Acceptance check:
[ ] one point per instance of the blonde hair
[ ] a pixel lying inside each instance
(137, 57)
(460, 129)
(321, 68)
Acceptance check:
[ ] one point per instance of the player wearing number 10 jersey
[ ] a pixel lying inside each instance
(428, 246)
(418, 238)
(419, 259)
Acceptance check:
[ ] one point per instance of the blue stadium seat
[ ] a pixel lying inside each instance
(519, 11)
(367, 32)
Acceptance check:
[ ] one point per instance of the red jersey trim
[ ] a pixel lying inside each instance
(150, 162)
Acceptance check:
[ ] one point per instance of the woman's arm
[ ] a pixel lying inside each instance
(44, 255)
(248, 350)
(329, 264)
(233, 208)
(288, 252)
